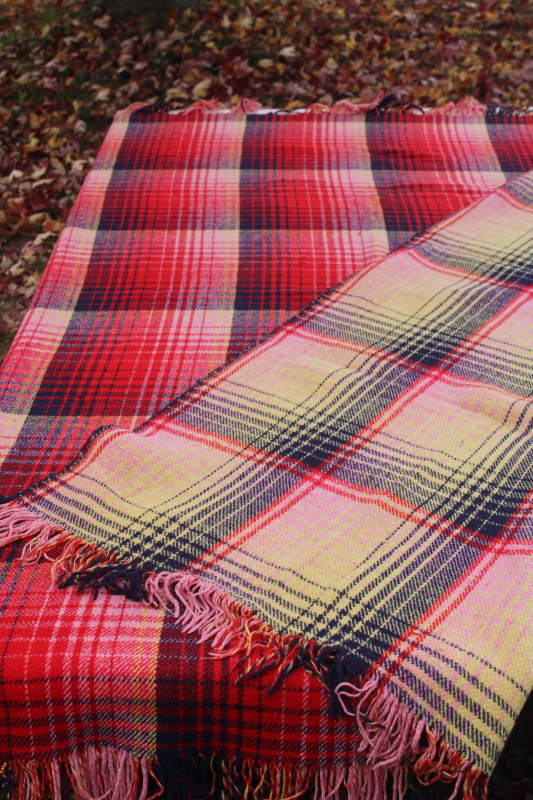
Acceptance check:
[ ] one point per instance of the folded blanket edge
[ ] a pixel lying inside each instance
(391, 742)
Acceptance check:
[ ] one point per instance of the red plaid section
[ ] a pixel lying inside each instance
(76, 673)
(196, 235)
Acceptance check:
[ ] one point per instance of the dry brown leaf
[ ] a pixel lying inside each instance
(175, 93)
(35, 219)
(78, 165)
(38, 172)
(102, 95)
(288, 52)
(17, 268)
(52, 226)
(26, 291)
(103, 22)
(42, 237)
(245, 21)
(294, 104)
(200, 90)
(57, 166)
(55, 142)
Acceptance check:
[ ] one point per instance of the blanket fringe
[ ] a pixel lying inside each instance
(388, 736)
(105, 774)
(383, 103)
(112, 774)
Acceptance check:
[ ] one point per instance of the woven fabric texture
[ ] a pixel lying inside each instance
(196, 235)
(341, 514)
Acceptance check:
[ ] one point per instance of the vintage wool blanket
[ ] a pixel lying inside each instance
(317, 557)
(195, 235)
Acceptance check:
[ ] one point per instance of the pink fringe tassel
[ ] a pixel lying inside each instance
(468, 106)
(106, 774)
(203, 609)
(110, 774)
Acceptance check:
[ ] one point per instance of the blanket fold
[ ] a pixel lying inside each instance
(344, 505)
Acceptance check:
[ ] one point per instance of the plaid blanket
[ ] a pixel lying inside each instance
(339, 516)
(195, 235)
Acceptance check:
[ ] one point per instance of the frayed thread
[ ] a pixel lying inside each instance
(387, 734)
(111, 774)
(382, 104)
(249, 106)
(199, 776)
(65, 552)
(187, 778)
(221, 777)
(92, 774)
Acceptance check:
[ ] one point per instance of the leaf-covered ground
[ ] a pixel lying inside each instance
(66, 67)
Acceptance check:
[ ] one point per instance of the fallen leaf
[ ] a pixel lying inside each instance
(175, 93)
(26, 291)
(78, 165)
(55, 142)
(103, 22)
(57, 166)
(16, 269)
(102, 96)
(52, 226)
(41, 237)
(200, 90)
(35, 219)
(13, 320)
(23, 78)
(246, 21)
(288, 52)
